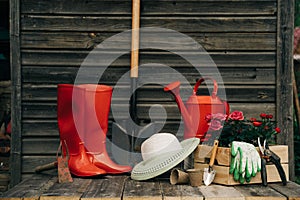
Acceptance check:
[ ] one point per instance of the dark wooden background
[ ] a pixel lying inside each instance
(50, 39)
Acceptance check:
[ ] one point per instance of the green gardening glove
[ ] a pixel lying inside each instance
(245, 161)
(235, 163)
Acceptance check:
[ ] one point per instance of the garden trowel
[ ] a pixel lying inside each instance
(209, 173)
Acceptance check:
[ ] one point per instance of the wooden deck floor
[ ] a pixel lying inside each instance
(45, 187)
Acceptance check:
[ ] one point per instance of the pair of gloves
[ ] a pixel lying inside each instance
(245, 161)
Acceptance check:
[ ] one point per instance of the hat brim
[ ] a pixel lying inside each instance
(158, 165)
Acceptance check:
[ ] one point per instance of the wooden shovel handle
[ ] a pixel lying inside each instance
(213, 153)
(135, 37)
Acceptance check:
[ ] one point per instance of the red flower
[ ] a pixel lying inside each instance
(215, 125)
(239, 127)
(269, 116)
(253, 119)
(219, 116)
(263, 115)
(257, 124)
(236, 115)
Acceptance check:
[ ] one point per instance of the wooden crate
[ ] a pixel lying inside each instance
(223, 157)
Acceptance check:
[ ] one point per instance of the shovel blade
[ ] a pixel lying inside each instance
(208, 176)
(126, 142)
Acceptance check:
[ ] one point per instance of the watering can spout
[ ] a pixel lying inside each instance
(174, 88)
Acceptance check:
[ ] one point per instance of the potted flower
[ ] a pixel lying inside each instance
(235, 127)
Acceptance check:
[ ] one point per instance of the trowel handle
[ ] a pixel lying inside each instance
(213, 153)
(135, 38)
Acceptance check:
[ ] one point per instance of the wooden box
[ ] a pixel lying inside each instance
(222, 163)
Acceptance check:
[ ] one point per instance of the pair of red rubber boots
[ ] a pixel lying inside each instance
(82, 113)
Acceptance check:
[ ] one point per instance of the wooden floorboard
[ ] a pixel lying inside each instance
(291, 190)
(31, 188)
(136, 190)
(259, 192)
(122, 187)
(110, 188)
(179, 192)
(70, 191)
(218, 192)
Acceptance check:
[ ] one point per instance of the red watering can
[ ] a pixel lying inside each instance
(197, 108)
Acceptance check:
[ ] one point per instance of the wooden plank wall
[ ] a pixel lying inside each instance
(56, 36)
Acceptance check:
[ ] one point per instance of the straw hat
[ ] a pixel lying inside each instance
(161, 152)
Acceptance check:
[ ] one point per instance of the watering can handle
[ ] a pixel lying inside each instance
(214, 93)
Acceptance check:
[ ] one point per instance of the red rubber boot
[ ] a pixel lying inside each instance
(79, 162)
(98, 99)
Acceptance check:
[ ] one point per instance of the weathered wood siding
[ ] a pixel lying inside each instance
(55, 36)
